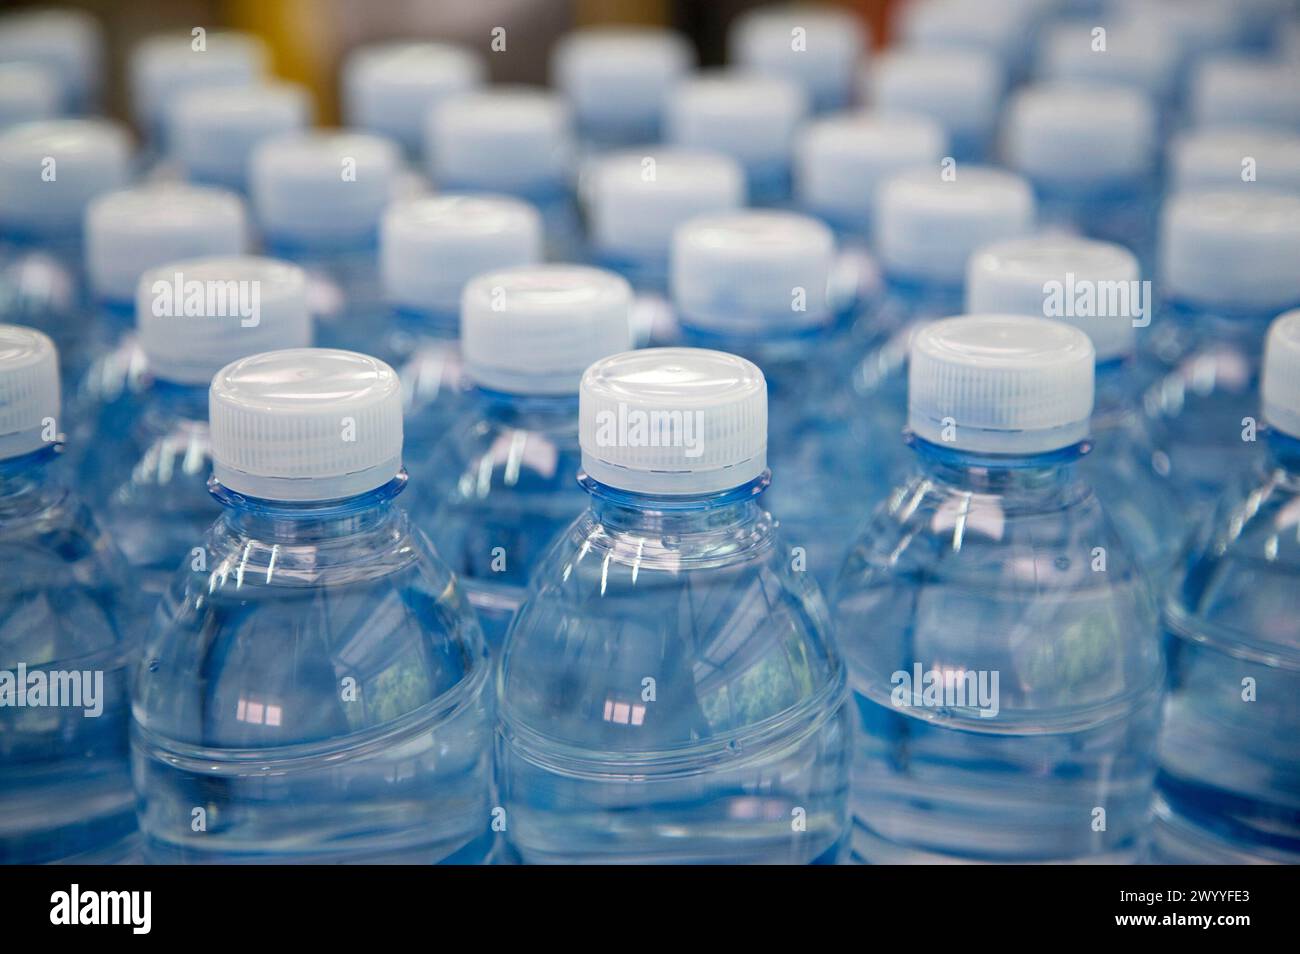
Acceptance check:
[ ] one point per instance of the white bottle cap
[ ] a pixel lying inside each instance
(927, 226)
(389, 88)
(1138, 55)
(1000, 384)
(69, 43)
(430, 247)
(1227, 157)
(961, 90)
(840, 162)
(50, 170)
(320, 188)
(752, 272)
(502, 139)
(1079, 135)
(817, 47)
(636, 199)
(1059, 276)
(1281, 382)
(747, 116)
(196, 316)
(1235, 250)
(306, 424)
(214, 131)
(28, 92)
(534, 329)
(130, 231)
(673, 421)
(1235, 90)
(164, 66)
(29, 390)
(996, 27)
(617, 78)
(1198, 27)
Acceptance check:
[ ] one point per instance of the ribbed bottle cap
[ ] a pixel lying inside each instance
(635, 200)
(389, 88)
(323, 187)
(1091, 285)
(305, 424)
(130, 231)
(1000, 384)
(502, 139)
(673, 421)
(817, 47)
(1234, 250)
(49, 171)
(197, 315)
(961, 90)
(430, 247)
(1281, 382)
(535, 328)
(1079, 135)
(1234, 156)
(69, 43)
(1138, 55)
(748, 116)
(214, 131)
(1227, 91)
(841, 161)
(927, 226)
(28, 91)
(616, 78)
(164, 66)
(29, 390)
(752, 272)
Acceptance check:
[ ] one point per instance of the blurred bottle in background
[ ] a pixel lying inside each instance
(817, 46)
(67, 44)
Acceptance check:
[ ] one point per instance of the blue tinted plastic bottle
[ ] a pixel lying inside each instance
(670, 691)
(318, 198)
(315, 691)
(503, 480)
(1001, 640)
(64, 645)
(1229, 762)
(1228, 266)
(824, 63)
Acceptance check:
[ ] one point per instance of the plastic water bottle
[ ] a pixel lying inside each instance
(429, 248)
(635, 201)
(67, 43)
(1002, 642)
(63, 643)
(820, 48)
(758, 284)
(1228, 265)
(164, 66)
(504, 479)
(961, 90)
(927, 227)
(748, 116)
(1229, 763)
(1096, 287)
(616, 79)
(389, 89)
(513, 140)
(28, 92)
(49, 171)
(314, 690)
(1231, 157)
(1235, 90)
(151, 466)
(318, 198)
(213, 131)
(841, 162)
(1138, 55)
(670, 692)
(1090, 153)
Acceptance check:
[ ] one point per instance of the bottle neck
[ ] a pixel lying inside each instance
(440, 323)
(1042, 477)
(308, 522)
(1284, 455)
(662, 515)
(1243, 328)
(544, 413)
(184, 401)
(22, 480)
